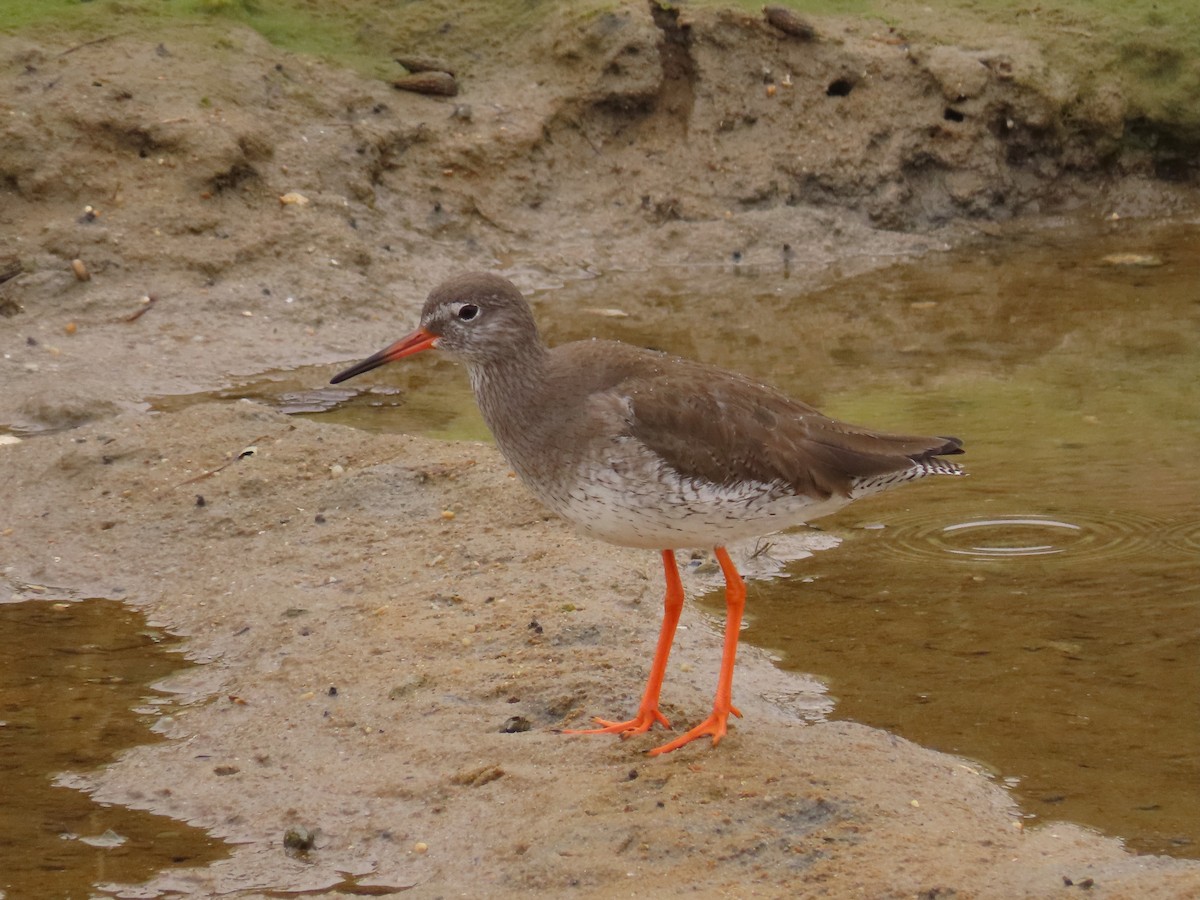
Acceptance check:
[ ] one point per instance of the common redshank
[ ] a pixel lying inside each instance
(643, 449)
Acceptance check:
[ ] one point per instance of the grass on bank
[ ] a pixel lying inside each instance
(1145, 49)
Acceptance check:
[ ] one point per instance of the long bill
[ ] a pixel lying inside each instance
(419, 340)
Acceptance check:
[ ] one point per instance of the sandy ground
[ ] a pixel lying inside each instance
(374, 610)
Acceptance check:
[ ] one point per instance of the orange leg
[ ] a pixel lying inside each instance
(648, 712)
(735, 603)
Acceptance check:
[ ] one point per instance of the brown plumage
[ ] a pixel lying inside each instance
(648, 450)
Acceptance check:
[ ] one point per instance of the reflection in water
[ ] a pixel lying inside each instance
(72, 675)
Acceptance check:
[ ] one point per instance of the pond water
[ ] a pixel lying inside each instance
(1043, 615)
(75, 689)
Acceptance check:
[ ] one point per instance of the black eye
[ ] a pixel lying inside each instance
(467, 312)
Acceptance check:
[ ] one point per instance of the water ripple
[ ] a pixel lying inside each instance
(1184, 536)
(1109, 536)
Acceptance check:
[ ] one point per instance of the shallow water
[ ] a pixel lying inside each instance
(1041, 616)
(74, 691)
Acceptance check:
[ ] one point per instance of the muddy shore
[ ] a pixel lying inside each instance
(417, 578)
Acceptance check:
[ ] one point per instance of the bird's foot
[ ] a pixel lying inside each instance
(714, 725)
(640, 723)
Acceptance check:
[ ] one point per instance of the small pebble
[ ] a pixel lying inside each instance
(299, 840)
(80, 270)
(425, 64)
(788, 22)
(70, 328)
(515, 725)
(420, 847)
(447, 514)
(439, 84)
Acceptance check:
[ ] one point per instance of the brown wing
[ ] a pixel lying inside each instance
(711, 424)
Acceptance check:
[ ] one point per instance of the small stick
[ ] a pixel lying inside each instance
(148, 302)
(229, 462)
(99, 40)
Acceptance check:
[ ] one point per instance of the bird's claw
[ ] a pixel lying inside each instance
(639, 724)
(714, 725)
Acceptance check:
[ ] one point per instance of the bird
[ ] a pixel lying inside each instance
(647, 450)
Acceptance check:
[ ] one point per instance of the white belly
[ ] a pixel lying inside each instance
(668, 512)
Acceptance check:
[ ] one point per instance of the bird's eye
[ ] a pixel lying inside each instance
(467, 312)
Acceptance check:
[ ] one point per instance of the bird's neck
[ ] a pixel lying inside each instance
(509, 390)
